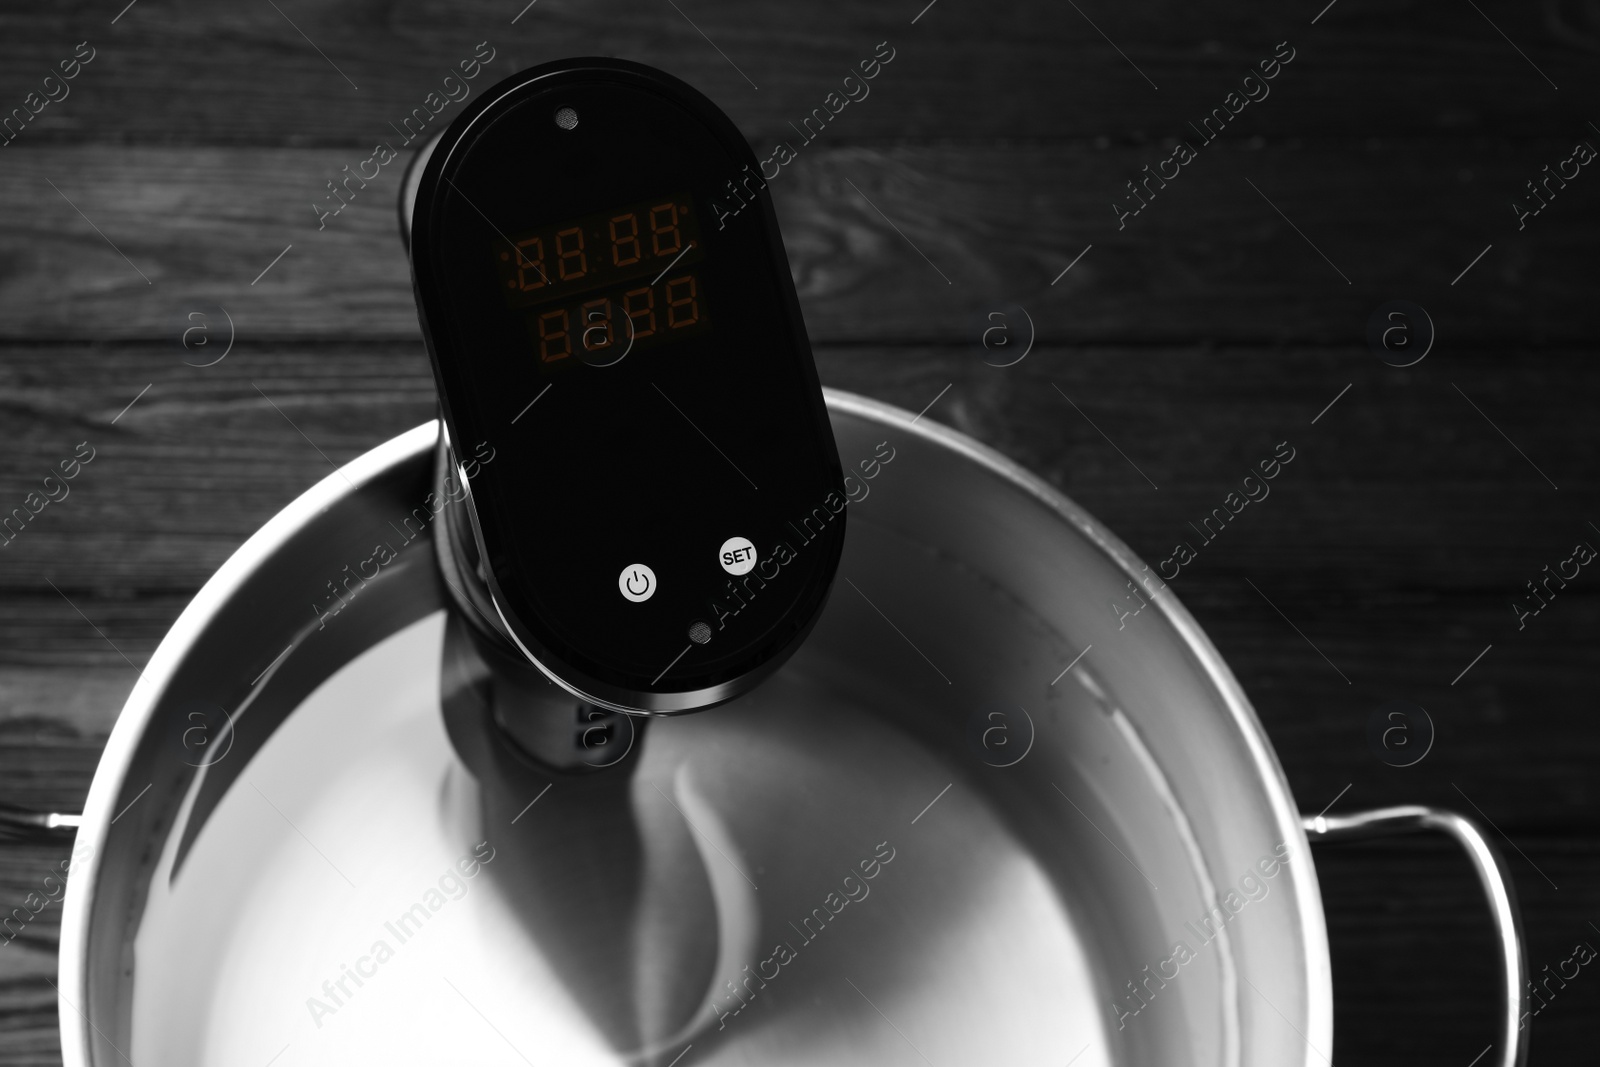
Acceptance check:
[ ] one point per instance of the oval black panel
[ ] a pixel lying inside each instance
(631, 348)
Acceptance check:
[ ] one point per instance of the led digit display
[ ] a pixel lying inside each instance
(608, 281)
(629, 316)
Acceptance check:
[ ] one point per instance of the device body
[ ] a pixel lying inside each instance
(651, 507)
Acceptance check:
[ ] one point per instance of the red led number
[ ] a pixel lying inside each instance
(683, 307)
(596, 325)
(625, 249)
(566, 256)
(555, 340)
(664, 237)
(640, 306)
(530, 264)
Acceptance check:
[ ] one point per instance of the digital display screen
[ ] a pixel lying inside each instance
(608, 282)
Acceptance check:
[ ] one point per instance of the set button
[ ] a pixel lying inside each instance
(737, 555)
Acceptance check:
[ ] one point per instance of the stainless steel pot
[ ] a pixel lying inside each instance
(977, 819)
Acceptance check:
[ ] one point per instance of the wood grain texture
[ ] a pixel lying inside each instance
(1400, 609)
(894, 245)
(172, 73)
(1219, 321)
(1414, 960)
(29, 1031)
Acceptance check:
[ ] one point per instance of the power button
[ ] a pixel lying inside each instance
(637, 582)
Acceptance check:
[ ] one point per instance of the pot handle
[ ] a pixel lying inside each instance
(1497, 885)
(19, 824)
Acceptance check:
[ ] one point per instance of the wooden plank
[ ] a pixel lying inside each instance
(1400, 599)
(176, 74)
(206, 455)
(46, 703)
(901, 245)
(1415, 966)
(29, 1032)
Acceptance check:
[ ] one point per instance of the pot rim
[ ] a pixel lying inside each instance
(134, 719)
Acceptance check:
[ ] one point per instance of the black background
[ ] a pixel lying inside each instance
(1221, 320)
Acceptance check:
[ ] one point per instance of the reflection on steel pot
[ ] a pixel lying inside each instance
(821, 871)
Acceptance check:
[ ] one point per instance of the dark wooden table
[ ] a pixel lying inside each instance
(178, 175)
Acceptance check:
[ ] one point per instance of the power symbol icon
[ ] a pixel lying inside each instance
(637, 583)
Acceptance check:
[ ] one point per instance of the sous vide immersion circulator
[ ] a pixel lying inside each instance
(661, 514)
